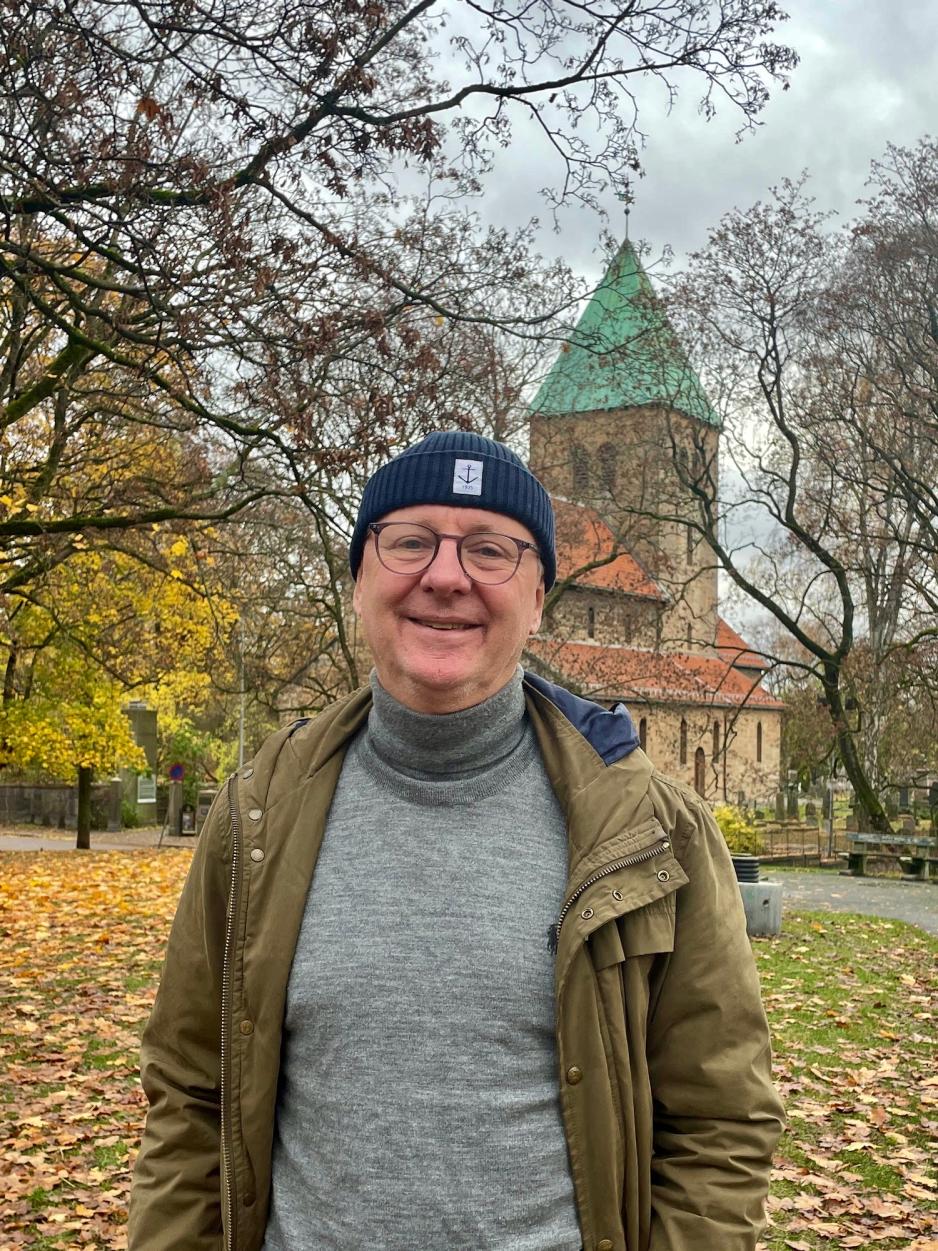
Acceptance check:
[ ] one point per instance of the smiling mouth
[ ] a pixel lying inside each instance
(445, 625)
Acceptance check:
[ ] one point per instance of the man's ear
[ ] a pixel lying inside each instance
(538, 612)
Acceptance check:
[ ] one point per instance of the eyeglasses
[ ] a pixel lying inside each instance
(485, 557)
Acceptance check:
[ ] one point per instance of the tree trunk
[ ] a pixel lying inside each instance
(83, 841)
(867, 798)
(9, 676)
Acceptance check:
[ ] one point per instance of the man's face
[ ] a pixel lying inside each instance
(421, 662)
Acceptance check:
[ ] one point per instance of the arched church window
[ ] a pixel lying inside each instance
(689, 554)
(716, 739)
(591, 623)
(758, 742)
(581, 472)
(643, 733)
(683, 741)
(609, 466)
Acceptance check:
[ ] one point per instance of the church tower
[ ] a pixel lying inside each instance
(622, 424)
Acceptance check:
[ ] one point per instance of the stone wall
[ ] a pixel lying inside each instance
(635, 460)
(734, 770)
(617, 619)
(56, 806)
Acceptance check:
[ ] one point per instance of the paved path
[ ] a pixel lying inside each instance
(827, 890)
(38, 838)
(824, 890)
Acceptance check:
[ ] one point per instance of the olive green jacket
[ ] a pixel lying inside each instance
(662, 1044)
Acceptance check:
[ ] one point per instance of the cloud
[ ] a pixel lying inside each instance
(866, 78)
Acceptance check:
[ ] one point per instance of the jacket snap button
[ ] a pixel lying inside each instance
(256, 813)
(248, 773)
(246, 1027)
(257, 854)
(574, 1075)
(617, 894)
(586, 914)
(664, 875)
(604, 1244)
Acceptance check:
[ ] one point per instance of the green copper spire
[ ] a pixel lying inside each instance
(623, 353)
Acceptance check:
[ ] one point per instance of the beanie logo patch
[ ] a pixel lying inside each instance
(467, 477)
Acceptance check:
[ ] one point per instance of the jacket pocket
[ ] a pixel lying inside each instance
(642, 932)
(649, 930)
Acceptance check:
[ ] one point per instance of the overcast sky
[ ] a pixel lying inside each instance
(868, 76)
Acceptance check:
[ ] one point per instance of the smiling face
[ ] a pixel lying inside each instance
(440, 641)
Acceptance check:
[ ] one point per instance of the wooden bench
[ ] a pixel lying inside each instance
(916, 855)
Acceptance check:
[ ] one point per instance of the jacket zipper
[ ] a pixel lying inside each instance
(553, 933)
(226, 1009)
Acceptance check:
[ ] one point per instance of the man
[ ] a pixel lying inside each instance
(514, 1007)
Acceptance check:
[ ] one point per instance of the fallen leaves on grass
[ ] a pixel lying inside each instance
(851, 1001)
(852, 1006)
(81, 940)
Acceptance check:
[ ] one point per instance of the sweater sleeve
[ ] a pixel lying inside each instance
(717, 1116)
(176, 1192)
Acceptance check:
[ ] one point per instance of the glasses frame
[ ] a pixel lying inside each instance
(375, 528)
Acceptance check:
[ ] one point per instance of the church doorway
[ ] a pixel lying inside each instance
(700, 770)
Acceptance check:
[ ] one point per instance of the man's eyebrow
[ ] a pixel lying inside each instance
(480, 527)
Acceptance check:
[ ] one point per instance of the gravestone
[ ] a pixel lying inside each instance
(892, 806)
(828, 805)
(793, 803)
(780, 806)
(908, 823)
(852, 824)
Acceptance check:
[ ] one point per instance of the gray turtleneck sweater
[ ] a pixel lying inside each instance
(418, 1101)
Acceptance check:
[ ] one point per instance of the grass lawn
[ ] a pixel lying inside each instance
(852, 1004)
(851, 1000)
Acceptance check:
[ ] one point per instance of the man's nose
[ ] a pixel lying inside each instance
(445, 573)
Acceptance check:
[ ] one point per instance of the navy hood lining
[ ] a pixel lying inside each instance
(611, 734)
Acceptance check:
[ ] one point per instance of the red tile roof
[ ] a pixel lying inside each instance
(609, 671)
(735, 650)
(583, 537)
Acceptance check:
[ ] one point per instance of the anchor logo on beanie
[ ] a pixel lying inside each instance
(467, 477)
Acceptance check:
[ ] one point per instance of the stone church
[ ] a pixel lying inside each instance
(625, 439)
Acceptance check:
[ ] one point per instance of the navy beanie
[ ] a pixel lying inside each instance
(463, 469)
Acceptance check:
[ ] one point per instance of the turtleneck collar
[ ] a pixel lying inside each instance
(455, 745)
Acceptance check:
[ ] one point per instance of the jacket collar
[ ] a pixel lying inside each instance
(601, 801)
(591, 756)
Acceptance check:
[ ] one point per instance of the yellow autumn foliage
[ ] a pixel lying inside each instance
(50, 739)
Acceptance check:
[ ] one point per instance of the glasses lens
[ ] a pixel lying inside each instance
(489, 557)
(405, 548)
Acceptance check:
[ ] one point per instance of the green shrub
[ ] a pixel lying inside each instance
(740, 834)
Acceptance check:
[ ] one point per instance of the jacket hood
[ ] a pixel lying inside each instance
(611, 734)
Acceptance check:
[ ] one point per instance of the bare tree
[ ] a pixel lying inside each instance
(197, 198)
(815, 521)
